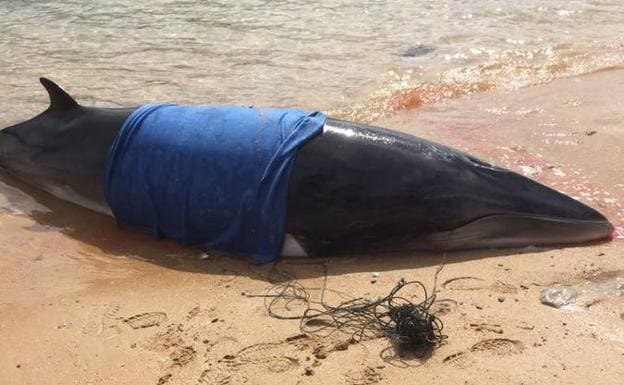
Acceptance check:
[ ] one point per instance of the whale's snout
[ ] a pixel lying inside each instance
(526, 213)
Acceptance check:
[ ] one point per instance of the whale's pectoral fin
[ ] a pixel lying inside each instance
(59, 99)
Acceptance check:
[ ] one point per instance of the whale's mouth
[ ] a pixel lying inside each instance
(612, 235)
(514, 230)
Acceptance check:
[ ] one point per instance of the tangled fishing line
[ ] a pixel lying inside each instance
(410, 326)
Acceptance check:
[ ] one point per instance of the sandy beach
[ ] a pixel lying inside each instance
(84, 301)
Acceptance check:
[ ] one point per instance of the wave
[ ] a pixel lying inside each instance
(508, 69)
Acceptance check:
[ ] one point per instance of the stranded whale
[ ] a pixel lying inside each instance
(350, 188)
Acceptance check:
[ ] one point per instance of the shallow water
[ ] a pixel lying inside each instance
(347, 57)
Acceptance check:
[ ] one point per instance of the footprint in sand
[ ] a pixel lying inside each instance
(460, 360)
(366, 376)
(182, 356)
(94, 326)
(443, 306)
(265, 360)
(214, 377)
(465, 283)
(100, 321)
(482, 349)
(164, 379)
(487, 327)
(173, 337)
(503, 288)
(146, 320)
(498, 346)
(275, 357)
(474, 283)
(198, 313)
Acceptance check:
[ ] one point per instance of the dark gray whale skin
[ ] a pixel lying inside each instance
(63, 149)
(354, 188)
(361, 188)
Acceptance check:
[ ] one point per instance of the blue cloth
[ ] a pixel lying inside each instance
(211, 175)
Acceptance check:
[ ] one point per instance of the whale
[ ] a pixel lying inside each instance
(354, 188)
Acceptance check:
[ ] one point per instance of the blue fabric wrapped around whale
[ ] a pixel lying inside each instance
(212, 175)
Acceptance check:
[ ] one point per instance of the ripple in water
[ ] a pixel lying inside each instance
(356, 59)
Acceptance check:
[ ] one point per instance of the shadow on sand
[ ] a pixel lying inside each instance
(104, 233)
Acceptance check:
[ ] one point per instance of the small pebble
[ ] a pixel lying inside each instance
(203, 256)
(375, 275)
(501, 299)
(309, 372)
(373, 281)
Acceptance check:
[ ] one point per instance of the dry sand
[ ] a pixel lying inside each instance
(84, 301)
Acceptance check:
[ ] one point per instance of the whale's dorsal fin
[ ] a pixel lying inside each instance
(59, 99)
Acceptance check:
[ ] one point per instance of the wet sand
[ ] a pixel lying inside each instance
(85, 301)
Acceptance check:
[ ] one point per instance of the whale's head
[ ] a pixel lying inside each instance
(500, 208)
(385, 190)
(63, 149)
